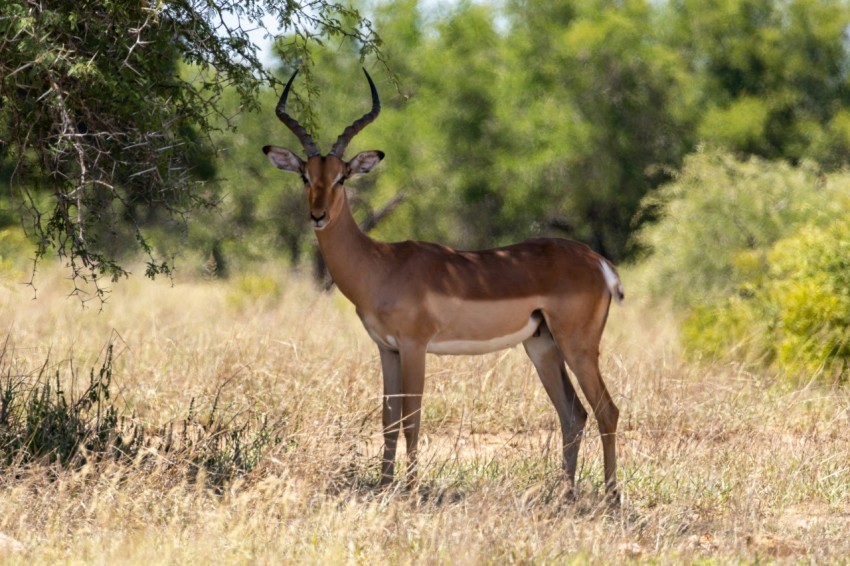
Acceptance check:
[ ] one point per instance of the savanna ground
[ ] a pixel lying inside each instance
(717, 463)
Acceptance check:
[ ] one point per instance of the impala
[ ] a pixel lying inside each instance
(551, 294)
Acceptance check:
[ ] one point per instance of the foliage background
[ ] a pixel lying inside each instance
(688, 138)
(704, 142)
(231, 413)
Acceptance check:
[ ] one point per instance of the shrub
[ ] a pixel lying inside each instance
(248, 290)
(757, 257)
(809, 290)
(717, 220)
(44, 421)
(40, 420)
(14, 248)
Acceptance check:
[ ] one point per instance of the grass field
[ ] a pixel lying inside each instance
(717, 464)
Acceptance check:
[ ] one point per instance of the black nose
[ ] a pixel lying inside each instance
(319, 218)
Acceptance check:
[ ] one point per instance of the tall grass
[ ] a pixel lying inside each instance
(269, 394)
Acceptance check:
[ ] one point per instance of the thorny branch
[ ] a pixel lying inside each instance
(105, 116)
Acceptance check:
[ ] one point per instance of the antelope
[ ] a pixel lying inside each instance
(414, 298)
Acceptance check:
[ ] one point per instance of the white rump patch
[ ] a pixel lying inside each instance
(615, 287)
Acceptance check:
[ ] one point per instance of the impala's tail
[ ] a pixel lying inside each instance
(612, 281)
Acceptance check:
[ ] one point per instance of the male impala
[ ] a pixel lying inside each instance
(416, 297)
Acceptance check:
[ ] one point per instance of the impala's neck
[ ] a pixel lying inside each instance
(349, 254)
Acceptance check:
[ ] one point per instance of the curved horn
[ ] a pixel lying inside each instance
(300, 132)
(365, 120)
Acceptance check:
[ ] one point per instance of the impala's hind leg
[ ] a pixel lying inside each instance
(580, 348)
(550, 367)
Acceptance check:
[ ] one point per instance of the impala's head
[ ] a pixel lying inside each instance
(324, 175)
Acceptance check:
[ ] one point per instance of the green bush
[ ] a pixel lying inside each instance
(809, 290)
(718, 219)
(41, 420)
(45, 420)
(253, 289)
(730, 329)
(756, 255)
(14, 248)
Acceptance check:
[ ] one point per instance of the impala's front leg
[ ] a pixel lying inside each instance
(412, 385)
(391, 410)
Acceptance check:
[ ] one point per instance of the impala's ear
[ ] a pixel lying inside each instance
(284, 159)
(364, 162)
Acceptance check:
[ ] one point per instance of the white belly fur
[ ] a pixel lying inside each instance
(473, 347)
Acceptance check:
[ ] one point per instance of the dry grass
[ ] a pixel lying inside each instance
(717, 464)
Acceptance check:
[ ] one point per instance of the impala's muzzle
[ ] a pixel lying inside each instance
(320, 221)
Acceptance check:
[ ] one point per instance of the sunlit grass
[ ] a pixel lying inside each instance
(716, 463)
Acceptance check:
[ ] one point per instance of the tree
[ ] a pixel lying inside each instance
(457, 139)
(611, 106)
(773, 75)
(106, 110)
